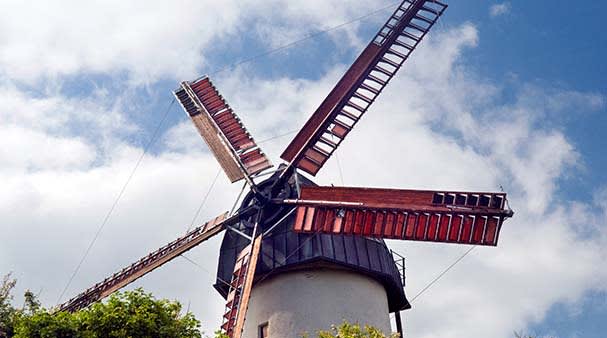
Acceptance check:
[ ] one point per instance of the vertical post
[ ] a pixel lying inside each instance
(399, 324)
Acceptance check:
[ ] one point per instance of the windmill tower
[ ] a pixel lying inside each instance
(297, 257)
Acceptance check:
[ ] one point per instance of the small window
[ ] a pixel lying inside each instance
(484, 201)
(472, 200)
(449, 199)
(263, 330)
(496, 202)
(460, 199)
(437, 198)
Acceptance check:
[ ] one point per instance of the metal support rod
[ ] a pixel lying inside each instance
(231, 228)
(238, 199)
(297, 187)
(320, 202)
(399, 324)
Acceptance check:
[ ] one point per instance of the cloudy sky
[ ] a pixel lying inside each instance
(508, 94)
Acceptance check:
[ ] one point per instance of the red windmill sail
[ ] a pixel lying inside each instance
(222, 130)
(150, 262)
(419, 215)
(361, 84)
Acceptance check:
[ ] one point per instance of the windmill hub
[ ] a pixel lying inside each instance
(262, 199)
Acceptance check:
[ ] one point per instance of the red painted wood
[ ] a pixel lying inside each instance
(389, 228)
(355, 91)
(467, 229)
(299, 219)
(491, 231)
(369, 223)
(400, 225)
(479, 229)
(410, 231)
(308, 166)
(231, 129)
(338, 225)
(309, 219)
(379, 224)
(432, 227)
(349, 226)
(319, 219)
(359, 222)
(420, 215)
(339, 131)
(329, 221)
(315, 155)
(421, 227)
(396, 199)
(456, 226)
(443, 228)
(325, 109)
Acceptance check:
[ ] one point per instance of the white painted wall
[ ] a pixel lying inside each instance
(307, 301)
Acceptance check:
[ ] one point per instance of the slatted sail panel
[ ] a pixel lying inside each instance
(435, 216)
(148, 263)
(241, 283)
(362, 83)
(222, 130)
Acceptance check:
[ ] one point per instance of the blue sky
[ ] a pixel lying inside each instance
(506, 93)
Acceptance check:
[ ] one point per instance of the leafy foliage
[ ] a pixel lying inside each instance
(347, 330)
(7, 311)
(124, 314)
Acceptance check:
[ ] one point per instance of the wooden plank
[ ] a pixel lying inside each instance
(364, 68)
(397, 199)
(421, 215)
(454, 231)
(491, 231)
(299, 218)
(389, 228)
(246, 292)
(149, 263)
(309, 219)
(337, 94)
(444, 228)
(221, 129)
(433, 226)
(222, 153)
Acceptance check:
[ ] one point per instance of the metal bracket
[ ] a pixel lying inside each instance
(231, 228)
(297, 187)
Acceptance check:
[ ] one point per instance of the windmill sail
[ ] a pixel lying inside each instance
(222, 130)
(149, 263)
(240, 289)
(419, 215)
(361, 84)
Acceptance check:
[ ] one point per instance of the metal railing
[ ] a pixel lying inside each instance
(399, 260)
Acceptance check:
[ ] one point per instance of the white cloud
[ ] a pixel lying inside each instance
(438, 125)
(162, 40)
(500, 9)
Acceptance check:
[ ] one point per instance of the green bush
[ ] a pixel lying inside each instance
(347, 330)
(123, 314)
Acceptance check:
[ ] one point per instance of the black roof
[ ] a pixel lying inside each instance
(285, 250)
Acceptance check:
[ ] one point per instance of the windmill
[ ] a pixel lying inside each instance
(290, 237)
